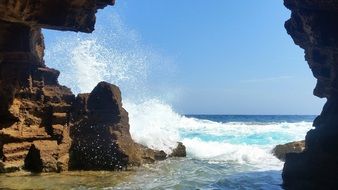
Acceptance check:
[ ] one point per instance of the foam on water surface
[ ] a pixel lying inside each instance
(156, 125)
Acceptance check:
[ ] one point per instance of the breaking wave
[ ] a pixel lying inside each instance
(114, 53)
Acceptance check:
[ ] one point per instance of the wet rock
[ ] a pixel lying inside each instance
(280, 151)
(100, 134)
(179, 151)
(160, 155)
(313, 26)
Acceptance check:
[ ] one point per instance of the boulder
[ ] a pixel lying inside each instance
(179, 151)
(280, 151)
(100, 133)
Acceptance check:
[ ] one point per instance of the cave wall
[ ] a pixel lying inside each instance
(314, 27)
(70, 15)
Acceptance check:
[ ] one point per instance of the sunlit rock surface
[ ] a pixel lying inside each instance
(313, 26)
(281, 150)
(43, 126)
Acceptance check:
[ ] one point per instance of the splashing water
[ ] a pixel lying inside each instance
(115, 54)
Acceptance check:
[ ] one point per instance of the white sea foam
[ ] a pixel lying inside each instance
(155, 124)
(221, 152)
(114, 54)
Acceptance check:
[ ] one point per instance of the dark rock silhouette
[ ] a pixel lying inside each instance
(71, 15)
(313, 26)
(100, 133)
(179, 151)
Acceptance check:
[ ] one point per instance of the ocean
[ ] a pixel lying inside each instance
(223, 152)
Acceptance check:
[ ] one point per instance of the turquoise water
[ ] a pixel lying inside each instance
(224, 152)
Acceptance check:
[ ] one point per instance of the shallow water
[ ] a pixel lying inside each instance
(196, 174)
(221, 154)
(174, 173)
(66, 180)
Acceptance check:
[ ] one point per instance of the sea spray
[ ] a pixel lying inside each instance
(115, 54)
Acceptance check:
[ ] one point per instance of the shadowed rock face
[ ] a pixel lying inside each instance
(43, 126)
(101, 138)
(314, 27)
(179, 151)
(74, 15)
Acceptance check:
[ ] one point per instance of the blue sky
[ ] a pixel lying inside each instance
(230, 56)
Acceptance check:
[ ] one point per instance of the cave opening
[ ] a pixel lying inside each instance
(28, 88)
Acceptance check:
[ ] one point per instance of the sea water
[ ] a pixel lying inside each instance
(223, 151)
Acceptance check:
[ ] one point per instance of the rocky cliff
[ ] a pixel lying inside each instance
(314, 27)
(43, 126)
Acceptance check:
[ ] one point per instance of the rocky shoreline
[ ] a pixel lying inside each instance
(44, 127)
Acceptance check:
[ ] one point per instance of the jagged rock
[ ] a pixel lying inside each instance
(43, 128)
(313, 26)
(280, 151)
(30, 95)
(179, 151)
(75, 15)
(100, 135)
(160, 155)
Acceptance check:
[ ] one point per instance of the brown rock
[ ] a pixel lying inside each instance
(100, 135)
(75, 15)
(160, 155)
(35, 110)
(280, 151)
(42, 157)
(179, 151)
(43, 128)
(14, 155)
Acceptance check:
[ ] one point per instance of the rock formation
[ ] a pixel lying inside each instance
(71, 15)
(43, 126)
(313, 26)
(100, 135)
(281, 150)
(179, 151)
(34, 106)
